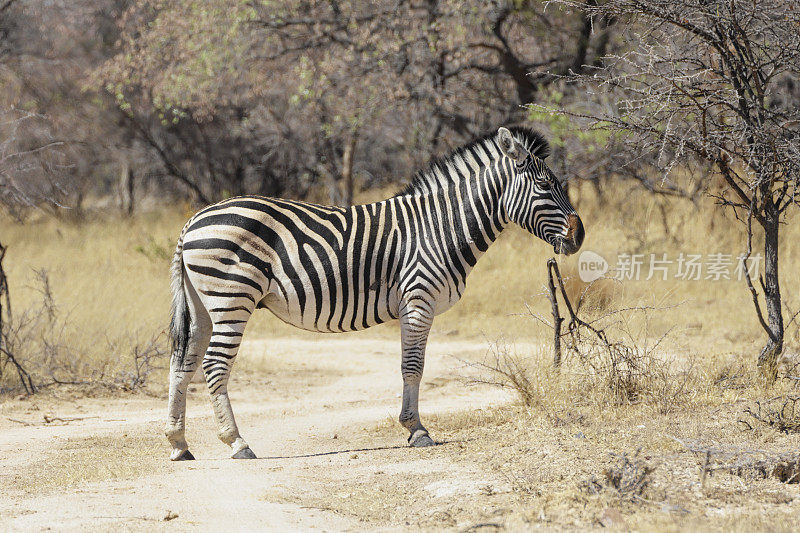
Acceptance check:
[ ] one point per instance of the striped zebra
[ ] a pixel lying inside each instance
(335, 269)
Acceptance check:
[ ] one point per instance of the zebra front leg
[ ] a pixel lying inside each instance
(217, 365)
(416, 320)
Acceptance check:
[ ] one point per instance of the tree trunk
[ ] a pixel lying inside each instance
(237, 181)
(347, 170)
(768, 359)
(126, 188)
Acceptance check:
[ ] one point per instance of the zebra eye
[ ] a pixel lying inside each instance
(543, 180)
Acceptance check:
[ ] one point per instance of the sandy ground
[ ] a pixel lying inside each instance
(318, 414)
(321, 416)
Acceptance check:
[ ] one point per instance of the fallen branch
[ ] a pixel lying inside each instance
(66, 420)
(781, 413)
(784, 467)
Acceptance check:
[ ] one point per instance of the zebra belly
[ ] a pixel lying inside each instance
(375, 309)
(446, 300)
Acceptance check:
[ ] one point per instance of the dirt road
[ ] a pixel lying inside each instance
(320, 416)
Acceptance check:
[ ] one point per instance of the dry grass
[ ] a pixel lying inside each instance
(781, 413)
(702, 443)
(109, 296)
(79, 461)
(569, 456)
(110, 279)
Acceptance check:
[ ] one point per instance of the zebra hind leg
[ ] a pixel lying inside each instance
(225, 340)
(181, 373)
(415, 324)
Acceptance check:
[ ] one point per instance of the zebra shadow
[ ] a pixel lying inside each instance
(357, 450)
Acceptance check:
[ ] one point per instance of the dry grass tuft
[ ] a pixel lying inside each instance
(629, 477)
(37, 338)
(785, 469)
(781, 413)
(631, 373)
(597, 370)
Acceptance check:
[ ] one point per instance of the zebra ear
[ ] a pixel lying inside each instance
(510, 146)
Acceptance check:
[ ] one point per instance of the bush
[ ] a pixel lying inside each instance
(34, 348)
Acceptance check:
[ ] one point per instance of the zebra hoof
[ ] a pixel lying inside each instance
(185, 455)
(245, 453)
(422, 441)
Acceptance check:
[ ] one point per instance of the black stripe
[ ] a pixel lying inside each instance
(215, 353)
(266, 234)
(228, 309)
(343, 275)
(223, 294)
(231, 246)
(216, 344)
(358, 239)
(225, 333)
(228, 276)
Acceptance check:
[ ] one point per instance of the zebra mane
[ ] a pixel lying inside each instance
(427, 179)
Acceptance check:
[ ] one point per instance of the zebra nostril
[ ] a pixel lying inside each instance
(575, 231)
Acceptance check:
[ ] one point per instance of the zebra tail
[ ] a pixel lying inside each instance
(179, 326)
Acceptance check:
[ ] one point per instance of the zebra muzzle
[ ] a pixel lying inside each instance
(571, 242)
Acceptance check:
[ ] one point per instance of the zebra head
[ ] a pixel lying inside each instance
(534, 198)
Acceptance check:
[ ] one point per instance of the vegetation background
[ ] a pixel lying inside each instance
(120, 118)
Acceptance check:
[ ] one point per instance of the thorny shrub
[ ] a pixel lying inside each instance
(41, 349)
(781, 413)
(628, 476)
(620, 366)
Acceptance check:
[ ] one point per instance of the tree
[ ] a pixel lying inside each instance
(715, 82)
(336, 88)
(47, 50)
(30, 159)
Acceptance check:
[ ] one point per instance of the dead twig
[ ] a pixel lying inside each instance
(784, 467)
(629, 477)
(6, 350)
(629, 367)
(552, 267)
(66, 419)
(781, 413)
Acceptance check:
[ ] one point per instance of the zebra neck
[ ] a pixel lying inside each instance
(473, 215)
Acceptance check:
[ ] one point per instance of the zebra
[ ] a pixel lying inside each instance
(337, 269)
